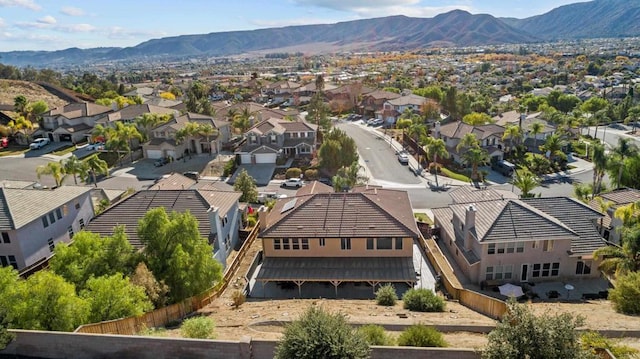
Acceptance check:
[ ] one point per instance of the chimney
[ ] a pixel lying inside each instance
(437, 130)
(469, 223)
(263, 212)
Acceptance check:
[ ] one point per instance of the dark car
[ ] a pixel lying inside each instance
(192, 174)
(161, 162)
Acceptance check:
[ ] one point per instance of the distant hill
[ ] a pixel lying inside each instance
(595, 19)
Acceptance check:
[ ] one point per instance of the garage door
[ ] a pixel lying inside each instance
(245, 158)
(265, 158)
(154, 154)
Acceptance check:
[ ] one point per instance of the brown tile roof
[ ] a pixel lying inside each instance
(458, 129)
(314, 187)
(175, 181)
(619, 197)
(76, 110)
(470, 194)
(132, 111)
(335, 215)
(381, 95)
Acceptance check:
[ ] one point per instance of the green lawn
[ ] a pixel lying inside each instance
(10, 151)
(422, 217)
(448, 173)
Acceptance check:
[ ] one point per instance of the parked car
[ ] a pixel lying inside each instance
(4, 142)
(96, 146)
(292, 182)
(192, 174)
(264, 197)
(505, 168)
(326, 181)
(38, 143)
(161, 162)
(375, 122)
(403, 157)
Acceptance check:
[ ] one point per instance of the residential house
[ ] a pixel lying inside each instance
(163, 138)
(128, 114)
(217, 212)
(345, 98)
(525, 121)
(489, 136)
(33, 221)
(351, 238)
(610, 225)
(273, 137)
(500, 239)
(373, 102)
(279, 91)
(394, 108)
(72, 122)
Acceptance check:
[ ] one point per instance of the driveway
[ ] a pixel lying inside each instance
(262, 173)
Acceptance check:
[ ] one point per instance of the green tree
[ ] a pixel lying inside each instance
(96, 166)
(113, 297)
(349, 177)
(477, 119)
(626, 294)
(591, 340)
(467, 141)
(9, 283)
(436, 149)
(421, 336)
(386, 295)
(75, 167)
(127, 133)
(156, 291)
(177, 254)
(318, 334)
(20, 103)
(5, 336)
(621, 259)
(623, 150)
(520, 334)
(53, 169)
(198, 98)
(21, 124)
(198, 328)
(475, 157)
(242, 119)
(535, 129)
(338, 150)
(553, 145)
(91, 255)
(422, 300)
(525, 182)
(148, 121)
(49, 303)
(512, 134)
(247, 185)
(600, 162)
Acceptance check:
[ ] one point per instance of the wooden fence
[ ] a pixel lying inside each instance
(479, 302)
(175, 312)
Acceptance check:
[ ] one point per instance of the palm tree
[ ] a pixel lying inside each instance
(74, 166)
(553, 144)
(207, 130)
(475, 156)
(604, 208)
(621, 259)
(628, 214)
(622, 151)
(53, 169)
(513, 135)
(148, 121)
(96, 166)
(536, 129)
(435, 149)
(600, 164)
(128, 133)
(469, 140)
(525, 182)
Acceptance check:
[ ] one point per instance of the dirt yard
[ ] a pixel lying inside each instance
(9, 89)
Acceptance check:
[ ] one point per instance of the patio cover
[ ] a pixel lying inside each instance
(334, 269)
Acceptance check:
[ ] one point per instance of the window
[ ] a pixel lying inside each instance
(555, 269)
(489, 273)
(498, 272)
(70, 230)
(52, 245)
(3, 261)
(77, 205)
(276, 244)
(5, 237)
(12, 262)
(81, 222)
(296, 243)
(305, 243)
(583, 267)
(345, 243)
(491, 248)
(384, 243)
(501, 248)
(322, 242)
(535, 244)
(520, 247)
(52, 218)
(547, 246)
(545, 270)
(399, 243)
(369, 243)
(45, 222)
(285, 243)
(59, 213)
(511, 247)
(274, 139)
(508, 271)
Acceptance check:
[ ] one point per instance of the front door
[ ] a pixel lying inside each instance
(524, 273)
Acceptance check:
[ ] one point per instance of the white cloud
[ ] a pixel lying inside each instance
(2, 23)
(118, 32)
(353, 5)
(5, 35)
(425, 11)
(72, 11)
(29, 4)
(47, 20)
(76, 28)
(291, 22)
(32, 25)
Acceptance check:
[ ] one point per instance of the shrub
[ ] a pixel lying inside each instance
(318, 334)
(626, 295)
(251, 221)
(421, 336)
(198, 328)
(229, 167)
(422, 300)
(593, 340)
(311, 174)
(238, 298)
(386, 295)
(375, 335)
(293, 172)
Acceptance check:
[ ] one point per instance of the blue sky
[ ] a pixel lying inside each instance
(60, 24)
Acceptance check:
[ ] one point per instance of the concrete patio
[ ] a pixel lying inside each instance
(583, 289)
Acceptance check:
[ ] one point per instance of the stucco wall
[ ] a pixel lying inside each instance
(332, 248)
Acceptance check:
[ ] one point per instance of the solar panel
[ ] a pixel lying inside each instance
(289, 205)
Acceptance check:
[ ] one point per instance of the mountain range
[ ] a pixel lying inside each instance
(594, 19)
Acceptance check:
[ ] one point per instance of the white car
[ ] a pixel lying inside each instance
(38, 143)
(403, 157)
(292, 182)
